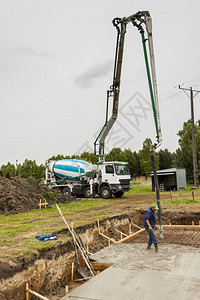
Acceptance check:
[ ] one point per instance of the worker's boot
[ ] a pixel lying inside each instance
(148, 247)
(156, 247)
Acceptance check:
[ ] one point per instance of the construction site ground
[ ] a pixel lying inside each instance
(20, 250)
(137, 273)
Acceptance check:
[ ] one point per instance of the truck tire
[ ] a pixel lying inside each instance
(86, 192)
(66, 190)
(105, 192)
(118, 194)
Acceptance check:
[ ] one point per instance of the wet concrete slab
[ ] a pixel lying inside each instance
(137, 273)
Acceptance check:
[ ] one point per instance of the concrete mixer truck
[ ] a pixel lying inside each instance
(79, 178)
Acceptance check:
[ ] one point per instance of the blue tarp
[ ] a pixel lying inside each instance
(46, 237)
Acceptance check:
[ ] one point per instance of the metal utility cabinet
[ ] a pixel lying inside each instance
(170, 179)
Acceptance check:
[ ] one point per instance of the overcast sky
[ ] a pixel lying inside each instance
(56, 64)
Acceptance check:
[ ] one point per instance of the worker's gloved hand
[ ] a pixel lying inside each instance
(150, 228)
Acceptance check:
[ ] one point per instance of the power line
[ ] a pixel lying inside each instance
(189, 82)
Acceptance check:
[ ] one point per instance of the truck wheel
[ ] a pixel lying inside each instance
(67, 191)
(118, 194)
(86, 192)
(105, 192)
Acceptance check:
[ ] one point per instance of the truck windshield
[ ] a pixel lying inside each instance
(122, 169)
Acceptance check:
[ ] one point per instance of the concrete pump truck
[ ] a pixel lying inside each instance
(82, 179)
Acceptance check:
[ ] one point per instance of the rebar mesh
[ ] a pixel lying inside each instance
(173, 236)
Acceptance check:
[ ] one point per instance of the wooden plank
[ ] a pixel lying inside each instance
(86, 278)
(132, 236)
(35, 294)
(100, 266)
(182, 227)
(136, 226)
(106, 237)
(121, 232)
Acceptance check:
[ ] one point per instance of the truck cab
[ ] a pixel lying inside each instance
(114, 178)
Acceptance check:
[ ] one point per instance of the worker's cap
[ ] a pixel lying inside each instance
(155, 206)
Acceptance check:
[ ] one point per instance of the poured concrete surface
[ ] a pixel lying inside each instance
(172, 273)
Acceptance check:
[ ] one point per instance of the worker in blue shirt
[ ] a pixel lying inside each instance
(149, 224)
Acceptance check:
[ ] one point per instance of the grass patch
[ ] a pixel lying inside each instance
(181, 201)
(14, 230)
(138, 188)
(7, 242)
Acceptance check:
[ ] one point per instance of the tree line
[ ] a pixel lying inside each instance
(139, 162)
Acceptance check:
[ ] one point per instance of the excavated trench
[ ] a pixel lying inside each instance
(51, 273)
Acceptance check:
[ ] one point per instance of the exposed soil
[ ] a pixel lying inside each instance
(18, 195)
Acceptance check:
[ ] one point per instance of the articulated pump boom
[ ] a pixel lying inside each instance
(138, 20)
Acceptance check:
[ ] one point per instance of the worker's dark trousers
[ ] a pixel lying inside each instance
(152, 237)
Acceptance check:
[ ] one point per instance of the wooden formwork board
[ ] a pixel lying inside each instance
(182, 227)
(132, 236)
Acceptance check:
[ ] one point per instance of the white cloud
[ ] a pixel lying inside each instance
(30, 51)
(88, 78)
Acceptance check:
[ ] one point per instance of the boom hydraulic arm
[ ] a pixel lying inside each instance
(138, 20)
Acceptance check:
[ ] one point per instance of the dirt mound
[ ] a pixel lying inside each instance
(23, 194)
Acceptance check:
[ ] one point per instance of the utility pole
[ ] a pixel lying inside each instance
(195, 166)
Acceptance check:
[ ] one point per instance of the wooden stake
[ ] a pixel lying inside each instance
(171, 195)
(193, 196)
(129, 228)
(66, 289)
(192, 223)
(40, 204)
(72, 272)
(27, 291)
(98, 225)
(108, 242)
